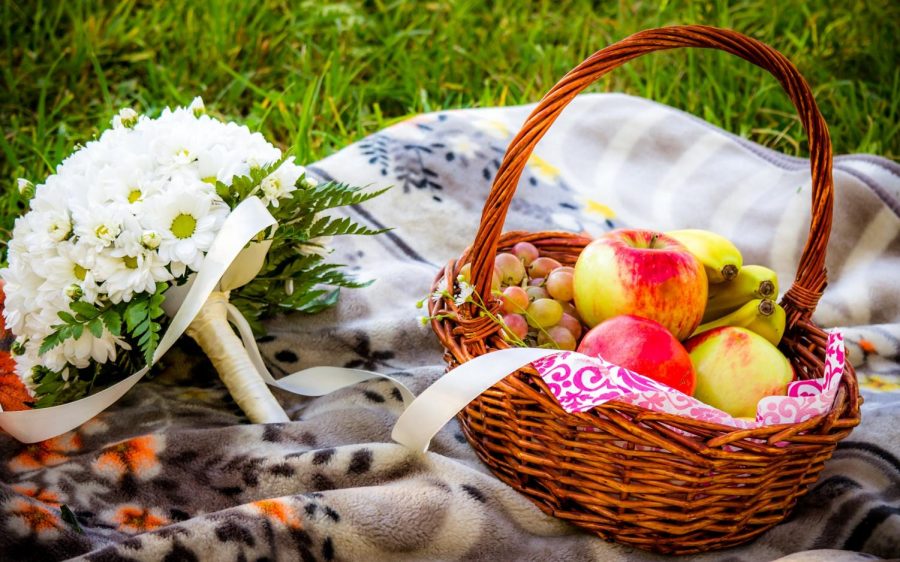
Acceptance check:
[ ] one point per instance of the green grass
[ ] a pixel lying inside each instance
(315, 78)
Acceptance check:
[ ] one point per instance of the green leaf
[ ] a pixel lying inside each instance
(135, 314)
(96, 327)
(113, 322)
(86, 310)
(76, 331)
(50, 342)
(66, 317)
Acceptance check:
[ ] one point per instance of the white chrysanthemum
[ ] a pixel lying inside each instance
(133, 269)
(20, 287)
(98, 225)
(187, 220)
(129, 183)
(74, 264)
(280, 183)
(79, 352)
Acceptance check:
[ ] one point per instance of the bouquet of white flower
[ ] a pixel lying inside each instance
(132, 214)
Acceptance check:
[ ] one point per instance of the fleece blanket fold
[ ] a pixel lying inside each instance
(174, 471)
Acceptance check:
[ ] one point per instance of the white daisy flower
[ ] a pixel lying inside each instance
(79, 352)
(96, 225)
(187, 221)
(133, 269)
(74, 264)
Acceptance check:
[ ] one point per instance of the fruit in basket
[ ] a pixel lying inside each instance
(514, 300)
(762, 316)
(510, 269)
(557, 336)
(527, 252)
(542, 267)
(559, 284)
(643, 346)
(571, 324)
(644, 273)
(544, 313)
(752, 282)
(721, 259)
(736, 368)
(515, 325)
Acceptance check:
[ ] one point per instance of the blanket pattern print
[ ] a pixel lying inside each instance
(173, 471)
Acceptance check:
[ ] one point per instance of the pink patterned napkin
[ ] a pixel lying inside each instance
(581, 382)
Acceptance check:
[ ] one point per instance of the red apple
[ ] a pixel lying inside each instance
(644, 273)
(736, 368)
(643, 346)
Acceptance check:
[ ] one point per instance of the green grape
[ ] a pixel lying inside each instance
(510, 268)
(542, 267)
(543, 313)
(559, 285)
(516, 325)
(526, 251)
(514, 299)
(535, 293)
(557, 336)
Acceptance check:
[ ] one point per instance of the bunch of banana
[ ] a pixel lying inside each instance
(739, 295)
(751, 282)
(763, 316)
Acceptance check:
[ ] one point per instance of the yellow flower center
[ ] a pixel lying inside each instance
(183, 226)
(130, 262)
(102, 231)
(80, 272)
(134, 195)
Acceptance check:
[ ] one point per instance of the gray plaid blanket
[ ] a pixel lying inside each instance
(174, 472)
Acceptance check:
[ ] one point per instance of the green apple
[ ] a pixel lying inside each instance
(736, 368)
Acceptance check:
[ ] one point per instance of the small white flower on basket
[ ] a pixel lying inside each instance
(133, 213)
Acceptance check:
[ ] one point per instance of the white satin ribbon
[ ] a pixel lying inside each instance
(452, 392)
(314, 381)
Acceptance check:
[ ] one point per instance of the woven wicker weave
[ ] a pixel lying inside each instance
(651, 480)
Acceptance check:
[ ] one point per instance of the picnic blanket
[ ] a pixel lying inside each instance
(174, 471)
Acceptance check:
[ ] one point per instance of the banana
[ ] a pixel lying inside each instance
(720, 258)
(752, 282)
(763, 316)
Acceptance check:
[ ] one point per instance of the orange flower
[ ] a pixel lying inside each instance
(278, 510)
(32, 518)
(13, 394)
(136, 519)
(135, 456)
(45, 453)
(40, 494)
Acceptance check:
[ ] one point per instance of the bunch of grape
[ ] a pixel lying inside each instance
(536, 298)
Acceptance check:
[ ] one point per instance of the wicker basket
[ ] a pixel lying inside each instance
(651, 480)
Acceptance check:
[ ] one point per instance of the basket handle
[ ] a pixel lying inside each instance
(801, 299)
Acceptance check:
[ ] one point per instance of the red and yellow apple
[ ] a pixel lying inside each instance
(736, 368)
(644, 273)
(644, 347)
